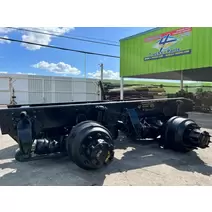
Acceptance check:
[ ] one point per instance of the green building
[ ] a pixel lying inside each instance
(168, 53)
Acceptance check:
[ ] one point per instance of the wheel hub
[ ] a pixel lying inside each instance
(101, 152)
(198, 138)
(182, 134)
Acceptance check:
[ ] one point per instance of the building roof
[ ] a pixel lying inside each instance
(142, 33)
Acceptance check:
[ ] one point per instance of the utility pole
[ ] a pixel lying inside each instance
(101, 69)
(101, 81)
(85, 67)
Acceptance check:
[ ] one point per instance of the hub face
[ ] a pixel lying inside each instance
(100, 152)
(97, 148)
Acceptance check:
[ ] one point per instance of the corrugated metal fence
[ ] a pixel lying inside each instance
(45, 89)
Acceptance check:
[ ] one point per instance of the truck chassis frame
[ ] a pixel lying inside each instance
(86, 131)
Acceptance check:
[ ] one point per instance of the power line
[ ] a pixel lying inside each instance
(59, 48)
(63, 36)
(49, 31)
(97, 39)
(91, 38)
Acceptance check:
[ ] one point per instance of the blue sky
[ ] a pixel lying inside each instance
(16, 58)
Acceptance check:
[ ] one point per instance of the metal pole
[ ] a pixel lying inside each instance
(10, 89)
(102, 68)
(181, 80)
(122, 88)
(85, 67)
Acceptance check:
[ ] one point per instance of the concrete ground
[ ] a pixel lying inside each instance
(135, 164)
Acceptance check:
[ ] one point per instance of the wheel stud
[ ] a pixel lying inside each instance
(99, 135)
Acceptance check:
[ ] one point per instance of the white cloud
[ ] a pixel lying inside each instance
(58, 68)
(42, 38)
(3, 72)
(26, 73)
(2, 41)
(107, 74)
(5, 30)
(36, 37)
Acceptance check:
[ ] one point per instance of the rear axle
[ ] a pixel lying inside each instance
(86, 131)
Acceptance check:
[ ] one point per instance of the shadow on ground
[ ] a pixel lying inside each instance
(203, 119)
(61, 171)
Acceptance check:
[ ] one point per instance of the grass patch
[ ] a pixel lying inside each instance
(170, 87)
